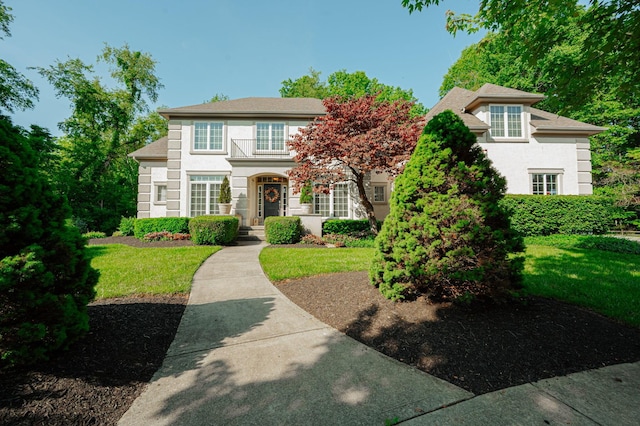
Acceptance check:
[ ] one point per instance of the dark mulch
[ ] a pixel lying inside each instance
(479, 349)
(97, 379)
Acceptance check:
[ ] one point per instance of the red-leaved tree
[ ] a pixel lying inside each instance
(356, 137)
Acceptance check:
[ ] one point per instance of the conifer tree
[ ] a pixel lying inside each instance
(446, 235)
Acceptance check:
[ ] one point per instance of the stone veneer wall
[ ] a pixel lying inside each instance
(174, 146)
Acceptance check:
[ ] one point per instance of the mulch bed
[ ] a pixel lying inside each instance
(480, 349)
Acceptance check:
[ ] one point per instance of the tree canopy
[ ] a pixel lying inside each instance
(105, 125)
(610, 31)
(344, 85)
(356, 137)
(16, 91)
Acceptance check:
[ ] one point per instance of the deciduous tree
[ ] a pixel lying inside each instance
(356, 137)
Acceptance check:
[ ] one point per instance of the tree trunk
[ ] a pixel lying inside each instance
(368, 207)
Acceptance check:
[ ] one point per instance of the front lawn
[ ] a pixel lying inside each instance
(566, 268)
(127, 271)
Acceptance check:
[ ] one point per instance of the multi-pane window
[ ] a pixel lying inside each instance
(334, 204)
(506, 121)
(379, 194)
(270, 136)
(208, 136)
(161, 193)
(544, 184)
(205, 191)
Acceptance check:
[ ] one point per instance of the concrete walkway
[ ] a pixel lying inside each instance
(245, 355)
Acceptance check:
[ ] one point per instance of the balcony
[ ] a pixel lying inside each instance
(248, 149)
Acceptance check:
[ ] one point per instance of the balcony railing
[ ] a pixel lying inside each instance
(248, 148)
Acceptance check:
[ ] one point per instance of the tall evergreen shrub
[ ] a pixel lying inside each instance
(447, 235)
(46, 280)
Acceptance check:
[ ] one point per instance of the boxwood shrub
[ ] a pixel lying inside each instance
(282, 229)
(534, 215)
(127, 226)
(213, 230)
(173, 225)
(347, 226)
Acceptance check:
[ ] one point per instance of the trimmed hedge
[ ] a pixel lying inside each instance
(533, 215)
(213, 230)
(282, 229)
(173, 225)
(347, 226)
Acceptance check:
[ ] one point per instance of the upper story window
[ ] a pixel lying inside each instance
(270, 136)
(208, 136)
(506, 121)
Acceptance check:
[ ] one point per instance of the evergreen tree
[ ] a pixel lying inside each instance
(446, 235)
(46, 280)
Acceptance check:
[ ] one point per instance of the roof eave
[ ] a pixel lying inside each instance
(528, 99)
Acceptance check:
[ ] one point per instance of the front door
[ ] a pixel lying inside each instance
(272, 196)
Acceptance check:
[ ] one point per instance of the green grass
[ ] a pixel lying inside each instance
(126, 271)
(604, 281)
(568, 268)
(285, 263)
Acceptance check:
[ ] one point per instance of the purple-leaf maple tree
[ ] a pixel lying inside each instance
(356, 137)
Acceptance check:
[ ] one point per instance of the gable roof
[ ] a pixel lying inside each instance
(252, 107)
(156, 150)
(462, 102)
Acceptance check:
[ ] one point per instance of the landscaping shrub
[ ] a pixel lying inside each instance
(533, 215)
(46, 279)
(282, 229)
(446, 235)
(360, 240)
(173, 225)
(94, 234)
(312, 239)
(347, 226)
(165, 236)
(127, 226)
(213, 230)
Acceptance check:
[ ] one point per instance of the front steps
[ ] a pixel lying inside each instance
(251, 233)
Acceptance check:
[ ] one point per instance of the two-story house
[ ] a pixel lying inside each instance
(245, 140)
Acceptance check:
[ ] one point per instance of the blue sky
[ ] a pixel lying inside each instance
(236, 48)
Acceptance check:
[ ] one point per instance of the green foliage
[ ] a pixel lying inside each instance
(107, 122)
(283, 229)
(94, 234)
(46, 280)
(362, 239)
(127, 226)
(174, 225)
(559, 214)
(447, 233)
(225, 192)
(344, 86)
(306, 194)
(346, 226)
(214, 230)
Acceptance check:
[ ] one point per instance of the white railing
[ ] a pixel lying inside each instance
(248, 148)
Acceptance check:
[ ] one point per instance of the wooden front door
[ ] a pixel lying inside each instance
(272, 199)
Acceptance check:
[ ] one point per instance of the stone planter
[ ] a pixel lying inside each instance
(306, 208)
(224, 208)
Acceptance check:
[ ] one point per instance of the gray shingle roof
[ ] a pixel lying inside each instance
(254, 107)
(461, 101)
(156, 150)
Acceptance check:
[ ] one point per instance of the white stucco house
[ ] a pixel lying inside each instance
(245, 140)
(536, 151)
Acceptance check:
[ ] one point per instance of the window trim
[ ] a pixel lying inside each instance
(270, 147)
(157, 193)
(505, 124)
(547, 172)
(208, 209)
(207, 150)
(384, 194)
